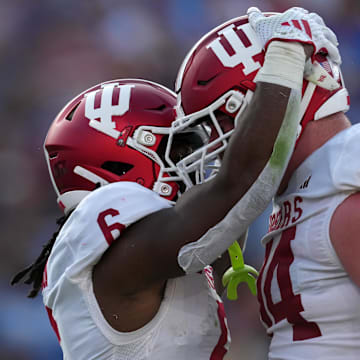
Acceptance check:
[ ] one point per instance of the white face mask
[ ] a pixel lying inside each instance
(202, 164)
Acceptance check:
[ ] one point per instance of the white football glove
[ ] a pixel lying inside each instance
(295, 24)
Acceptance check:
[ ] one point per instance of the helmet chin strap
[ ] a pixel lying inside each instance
(69, 200)
(89, 175)
(305, 101)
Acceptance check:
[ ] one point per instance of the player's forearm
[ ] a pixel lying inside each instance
(253, 141)
(193, 256)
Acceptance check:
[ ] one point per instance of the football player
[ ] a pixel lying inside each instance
(309, 284)
(308, 287)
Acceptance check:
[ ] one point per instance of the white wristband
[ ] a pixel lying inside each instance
(283, 65)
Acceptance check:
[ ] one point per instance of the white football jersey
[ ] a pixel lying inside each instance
(190, 323)
(308, 303)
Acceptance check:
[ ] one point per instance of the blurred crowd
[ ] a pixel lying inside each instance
(52, 50)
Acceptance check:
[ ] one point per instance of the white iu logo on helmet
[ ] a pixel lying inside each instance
(107, 110)
(244, 50)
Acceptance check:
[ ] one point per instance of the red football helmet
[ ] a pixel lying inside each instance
(111, 132)
(218, 74)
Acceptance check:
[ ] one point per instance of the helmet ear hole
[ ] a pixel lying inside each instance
(72, 112)
(116, 167)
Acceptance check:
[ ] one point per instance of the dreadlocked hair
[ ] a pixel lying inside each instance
(35, 271)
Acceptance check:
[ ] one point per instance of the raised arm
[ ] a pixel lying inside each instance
(148, 251)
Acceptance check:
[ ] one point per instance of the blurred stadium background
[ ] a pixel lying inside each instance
(52, 50)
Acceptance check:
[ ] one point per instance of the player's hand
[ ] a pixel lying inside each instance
(295, 24)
